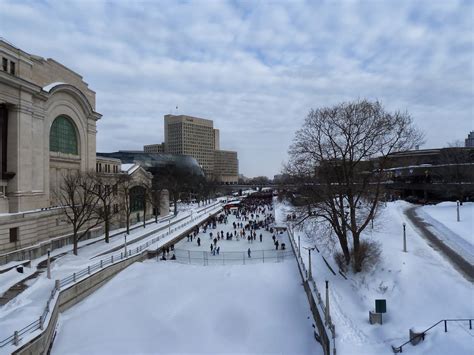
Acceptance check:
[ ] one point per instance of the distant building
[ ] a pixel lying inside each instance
(154, 148)
(470, 140)
(197, 137)
(226, 166)
(191, 136)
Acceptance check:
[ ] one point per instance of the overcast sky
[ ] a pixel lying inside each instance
(256, 67)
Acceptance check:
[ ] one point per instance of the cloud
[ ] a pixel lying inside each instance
(255, 68)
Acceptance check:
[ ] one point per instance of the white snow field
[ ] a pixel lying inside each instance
(29, 305)
(420, 287)
(457, 235)
(167, 307)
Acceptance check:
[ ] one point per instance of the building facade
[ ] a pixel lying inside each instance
(47, 129)
(192, 136)
(154, 148)
(226, 166)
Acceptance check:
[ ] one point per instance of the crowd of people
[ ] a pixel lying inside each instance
(249, 220)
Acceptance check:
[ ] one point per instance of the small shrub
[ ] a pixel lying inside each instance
(370, 252)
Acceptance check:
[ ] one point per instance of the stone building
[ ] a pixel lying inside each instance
(47, 129)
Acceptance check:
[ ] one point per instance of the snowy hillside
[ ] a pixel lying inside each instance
(420, 287)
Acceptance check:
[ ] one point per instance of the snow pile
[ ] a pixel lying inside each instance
(420, 287)
(166, 307)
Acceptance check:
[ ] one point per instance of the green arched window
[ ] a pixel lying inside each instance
(62, 137)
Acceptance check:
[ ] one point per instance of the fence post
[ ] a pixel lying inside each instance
(111, 259)
(16, 338)
(74, 277)
(57, 284)
(327, 302)
(445, 326)
(41, 322)
(89, 270)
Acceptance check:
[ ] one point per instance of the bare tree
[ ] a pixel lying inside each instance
(338, 158)
(106, 190)
(76, 196)
(124, 186)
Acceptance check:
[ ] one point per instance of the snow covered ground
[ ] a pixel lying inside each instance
(29, 305)
(167, 307)
(420, 287)
(457, 235)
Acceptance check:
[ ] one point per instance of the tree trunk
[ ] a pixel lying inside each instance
(107, 228)
(74, 248)
(357, 254)
(128, 224)
(175, 205)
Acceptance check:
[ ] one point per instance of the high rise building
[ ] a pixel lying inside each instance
(191, 136)
(198, 138)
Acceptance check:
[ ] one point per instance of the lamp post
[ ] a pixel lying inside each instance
(404, 238)
(125, 235)
(49, 265)
(457, 211)
(310, 273)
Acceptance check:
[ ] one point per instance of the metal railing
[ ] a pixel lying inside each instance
(399, 349)
(316, 298)
(231, 257)
(90, 269)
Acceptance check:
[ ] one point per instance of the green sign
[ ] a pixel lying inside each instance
(381, 306)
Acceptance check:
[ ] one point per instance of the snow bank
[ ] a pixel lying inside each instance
(420, 287)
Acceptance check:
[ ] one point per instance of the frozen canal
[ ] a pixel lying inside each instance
(236, 249)
(168, 307)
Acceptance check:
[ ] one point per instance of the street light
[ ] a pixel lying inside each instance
(125, 235)
(49, 265)
(310, 273)
(404, 237)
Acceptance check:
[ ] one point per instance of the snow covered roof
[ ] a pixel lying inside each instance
(129, 168)
(48, 88)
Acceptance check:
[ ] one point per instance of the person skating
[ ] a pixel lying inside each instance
(211, 247)
(276, 245)
(248, 252)
(260, 237)
(199, 242)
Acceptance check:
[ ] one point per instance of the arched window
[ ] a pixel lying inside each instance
(62, 137)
